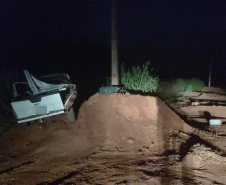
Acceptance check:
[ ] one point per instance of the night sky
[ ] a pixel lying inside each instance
(180, 38)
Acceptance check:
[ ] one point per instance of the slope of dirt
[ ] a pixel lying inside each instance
(130, 123)
(117, 139)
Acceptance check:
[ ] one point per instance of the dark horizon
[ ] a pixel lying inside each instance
(180, 38)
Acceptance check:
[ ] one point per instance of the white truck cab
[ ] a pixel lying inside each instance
(36, 99)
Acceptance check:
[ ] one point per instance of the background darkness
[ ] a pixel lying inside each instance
(180, 38)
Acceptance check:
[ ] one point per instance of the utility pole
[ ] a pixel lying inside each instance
(210, 72)
(114, 48)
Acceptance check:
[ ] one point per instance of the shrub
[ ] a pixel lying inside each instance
(139, 78)
(167, 89)
(183, 85)
(188, 85)
(107, 82)
(170, 89)
(197, 84)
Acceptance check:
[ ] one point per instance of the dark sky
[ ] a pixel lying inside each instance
(180, 37)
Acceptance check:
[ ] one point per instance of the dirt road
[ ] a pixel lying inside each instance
(118, 139)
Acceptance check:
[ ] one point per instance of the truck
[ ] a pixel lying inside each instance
(47, 96)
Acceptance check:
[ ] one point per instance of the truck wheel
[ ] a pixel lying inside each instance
(71, 115)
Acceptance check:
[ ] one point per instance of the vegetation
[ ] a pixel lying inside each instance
(139, 78)
(170, 89)
(188, 85)
(108, 81)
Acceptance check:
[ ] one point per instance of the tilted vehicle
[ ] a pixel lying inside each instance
(37, 99)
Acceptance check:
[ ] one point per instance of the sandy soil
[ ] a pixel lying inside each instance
(118, 139)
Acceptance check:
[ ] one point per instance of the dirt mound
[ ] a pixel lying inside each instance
(129, 123)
